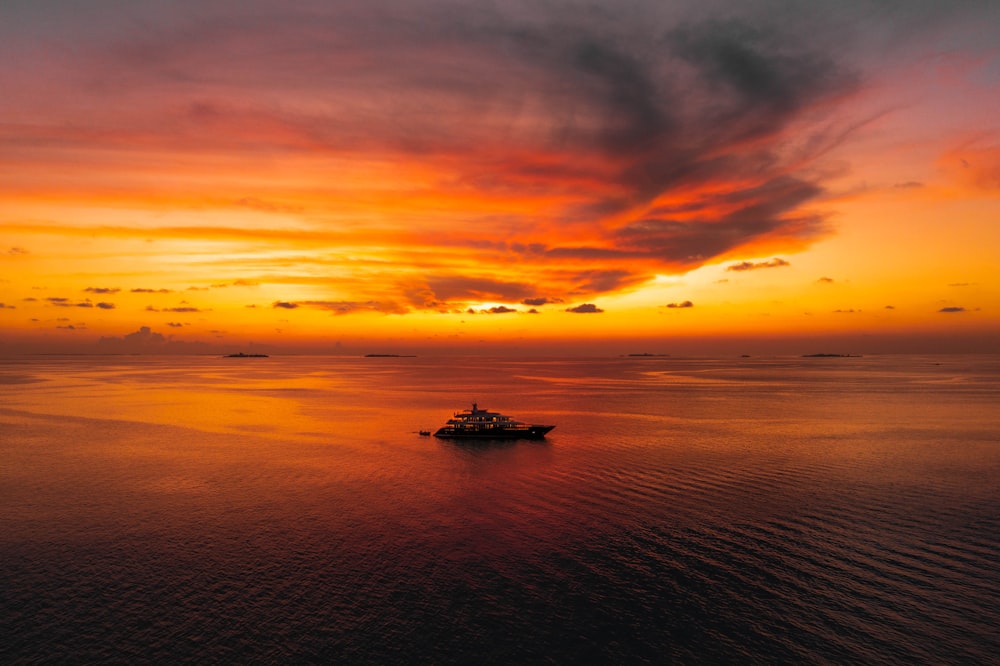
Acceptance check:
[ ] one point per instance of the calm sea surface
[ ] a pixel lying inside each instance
(284, 509)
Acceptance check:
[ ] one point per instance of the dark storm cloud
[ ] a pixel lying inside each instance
(645, 100)
(734, 87)
(758, 79)
(765, 211)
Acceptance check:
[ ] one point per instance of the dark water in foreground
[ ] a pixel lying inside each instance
(687, 511)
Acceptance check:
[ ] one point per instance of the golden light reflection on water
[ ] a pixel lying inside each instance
(297, 491)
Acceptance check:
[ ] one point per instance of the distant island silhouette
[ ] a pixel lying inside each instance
(390, 355)
(831, 356)
(242, 355)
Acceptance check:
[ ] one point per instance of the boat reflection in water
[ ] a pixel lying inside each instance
(484, 424)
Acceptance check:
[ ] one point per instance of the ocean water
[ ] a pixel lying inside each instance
(284, 509)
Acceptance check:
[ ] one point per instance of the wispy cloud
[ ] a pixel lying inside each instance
(179, 308)
(63, 302)
(541, 300)
(342, 307)
(753, 266)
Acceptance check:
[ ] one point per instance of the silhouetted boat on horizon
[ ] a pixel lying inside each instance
(483, 424)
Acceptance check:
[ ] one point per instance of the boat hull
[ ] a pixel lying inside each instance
(529, 432)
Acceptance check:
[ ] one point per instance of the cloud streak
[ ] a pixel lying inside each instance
(773, 263)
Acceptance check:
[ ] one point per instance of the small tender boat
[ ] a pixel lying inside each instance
(483, 424)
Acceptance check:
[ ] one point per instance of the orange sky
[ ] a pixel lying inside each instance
(471, 176)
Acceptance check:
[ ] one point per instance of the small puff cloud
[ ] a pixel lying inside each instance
(751, 266)
(585, 308)
(683, 304)
(103, 290)
(953, 308)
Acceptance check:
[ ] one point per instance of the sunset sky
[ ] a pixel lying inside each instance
(391, 176)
